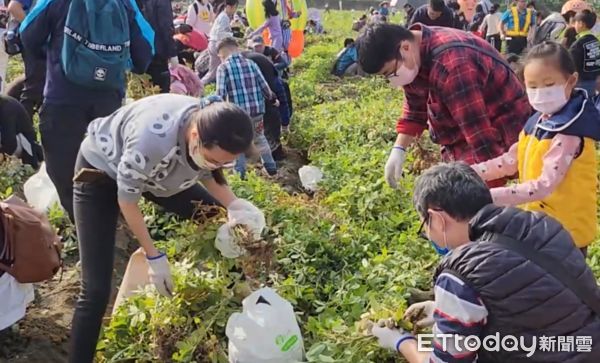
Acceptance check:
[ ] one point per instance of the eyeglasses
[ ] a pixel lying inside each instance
(420, 232)
(425, 221)
(394, 74)
(214, 165)
(388, 76)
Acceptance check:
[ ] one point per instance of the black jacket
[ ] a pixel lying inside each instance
(159, 14)
(586, 54)
(14, 122)
(522, 299)
(266, 67)
(421, 16)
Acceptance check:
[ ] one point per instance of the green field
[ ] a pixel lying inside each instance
(349, 249)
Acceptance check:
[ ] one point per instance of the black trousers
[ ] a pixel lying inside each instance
(14, 123)
(63, 128)
(272, 122)
(96, 214)
(288, 93)
(159, 73)
(495, 41)
(516, 45)
(33, 87)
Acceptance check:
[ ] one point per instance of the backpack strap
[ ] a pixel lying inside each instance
(444, 47)
(552, 266)
(196, 9)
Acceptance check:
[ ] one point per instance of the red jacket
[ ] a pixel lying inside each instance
(195, 40)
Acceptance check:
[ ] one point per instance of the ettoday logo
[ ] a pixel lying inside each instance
(508, 343)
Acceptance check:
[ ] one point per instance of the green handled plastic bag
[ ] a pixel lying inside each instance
(266, 331)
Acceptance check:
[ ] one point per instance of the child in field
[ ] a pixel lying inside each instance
(346, 62)
(184, 81)
(555, 156)
(240, 81)
(586, 51)
(273, 23)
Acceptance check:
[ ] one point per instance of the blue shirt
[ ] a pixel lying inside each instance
(348, 57)
(508, 20)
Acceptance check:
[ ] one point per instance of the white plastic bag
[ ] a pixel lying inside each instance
(310, 176)
(240, 211)
(266, 331)
(15, 298)
(40, 192)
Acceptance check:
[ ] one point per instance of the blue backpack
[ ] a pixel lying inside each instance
(95, 51)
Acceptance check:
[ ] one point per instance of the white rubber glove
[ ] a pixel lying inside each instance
(423, 311)
(174, 61)
(225, 244)
(393, 167)
(241, 211)
(390, 338)
(159, 272)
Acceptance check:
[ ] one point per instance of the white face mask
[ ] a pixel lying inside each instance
(198, 158)
(547, 100)
(404, 75)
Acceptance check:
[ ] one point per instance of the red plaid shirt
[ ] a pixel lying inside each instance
(476, 107)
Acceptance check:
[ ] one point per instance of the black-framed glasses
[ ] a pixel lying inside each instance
(420, 232)
(425, 221)
(395, 74)
(398, 59)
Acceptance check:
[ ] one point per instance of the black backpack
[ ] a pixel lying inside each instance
(544, 31)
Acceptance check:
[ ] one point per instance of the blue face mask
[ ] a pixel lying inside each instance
(441, 251)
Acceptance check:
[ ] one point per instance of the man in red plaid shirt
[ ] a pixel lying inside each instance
(473, 101)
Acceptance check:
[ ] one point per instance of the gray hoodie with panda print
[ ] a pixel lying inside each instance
(142, 146)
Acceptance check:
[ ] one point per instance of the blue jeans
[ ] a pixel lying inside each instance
(261, 143)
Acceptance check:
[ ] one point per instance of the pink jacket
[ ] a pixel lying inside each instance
(185, 82)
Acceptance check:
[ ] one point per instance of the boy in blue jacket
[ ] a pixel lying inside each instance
(68, 107)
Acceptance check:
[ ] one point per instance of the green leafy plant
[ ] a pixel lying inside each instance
(349, 250)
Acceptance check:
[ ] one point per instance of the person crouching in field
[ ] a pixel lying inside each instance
(17, 136)
(456, 85)
(504, 274)
(346, 62)
(158, 148)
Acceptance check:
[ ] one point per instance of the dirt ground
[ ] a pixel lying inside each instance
(287, 174)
